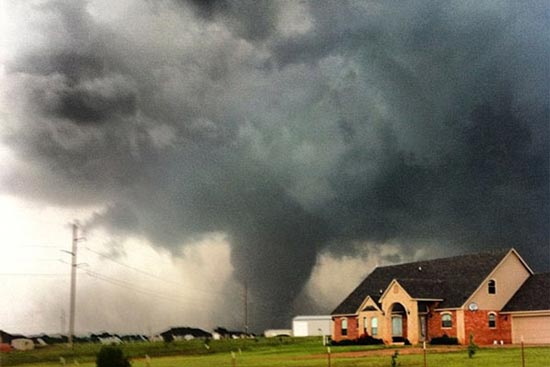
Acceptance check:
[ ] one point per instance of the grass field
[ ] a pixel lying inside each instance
(287, 352)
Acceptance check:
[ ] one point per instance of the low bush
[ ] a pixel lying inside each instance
(362, 340)
(444, 340)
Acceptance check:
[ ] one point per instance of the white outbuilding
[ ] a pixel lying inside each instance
(312, 325)
(22, 344)
(272, 333)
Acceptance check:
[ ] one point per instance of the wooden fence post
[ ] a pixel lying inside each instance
(424, 351)
(522, 353)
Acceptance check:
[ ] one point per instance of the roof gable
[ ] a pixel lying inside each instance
(452, 279)
(506, 260)
(369, 305)
(393, 283)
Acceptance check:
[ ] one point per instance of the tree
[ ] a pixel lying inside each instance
(111, 356)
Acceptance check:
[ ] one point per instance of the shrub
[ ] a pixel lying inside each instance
(444, 340)
(111, 356)
(472, 347)
(368, 340)
(362, 340)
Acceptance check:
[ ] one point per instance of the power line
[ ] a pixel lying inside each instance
(118, 282)
(34, 274)
(129, 266)
(27, 259)
(130, 286)
(151, 275)
(40, 246)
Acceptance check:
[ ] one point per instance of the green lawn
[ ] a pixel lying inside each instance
(286, 352)
(484, 358)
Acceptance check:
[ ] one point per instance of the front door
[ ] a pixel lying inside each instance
(422, 322)
(397, 325)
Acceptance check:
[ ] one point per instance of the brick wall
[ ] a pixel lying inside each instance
(477, 324)
(434, 325)
(353, 331)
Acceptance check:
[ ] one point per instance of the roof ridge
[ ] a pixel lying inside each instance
(489, 252)
(437, 280)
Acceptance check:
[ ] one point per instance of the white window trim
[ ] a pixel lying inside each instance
(374, 327)
(451, 316)
(344, 322)
(489, 320)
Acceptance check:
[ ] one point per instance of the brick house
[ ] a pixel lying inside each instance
(493, 296)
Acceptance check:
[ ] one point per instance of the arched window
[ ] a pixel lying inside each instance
(344, 326)
(446, 320)
(492, 320)
(492, 287)
(374, 326)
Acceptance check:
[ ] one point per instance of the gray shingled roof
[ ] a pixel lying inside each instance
(452, 279)
(534, 295)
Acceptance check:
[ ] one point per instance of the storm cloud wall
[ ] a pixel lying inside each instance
(294, 128)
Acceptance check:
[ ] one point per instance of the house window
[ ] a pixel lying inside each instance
(492, 320)
(374, 326)
(446, 320)
(344, 326)
(365, 324)
(492, 287)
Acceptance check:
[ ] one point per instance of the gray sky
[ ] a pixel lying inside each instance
(287, 142)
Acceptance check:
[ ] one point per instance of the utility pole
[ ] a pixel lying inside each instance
(62, 322)
(245, 301)
(73, 283)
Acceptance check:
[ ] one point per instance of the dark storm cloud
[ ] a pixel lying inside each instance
(87, 101)
(84, 84)
(253, 20)
(85, 106)
(75, 66)
(414, 123)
